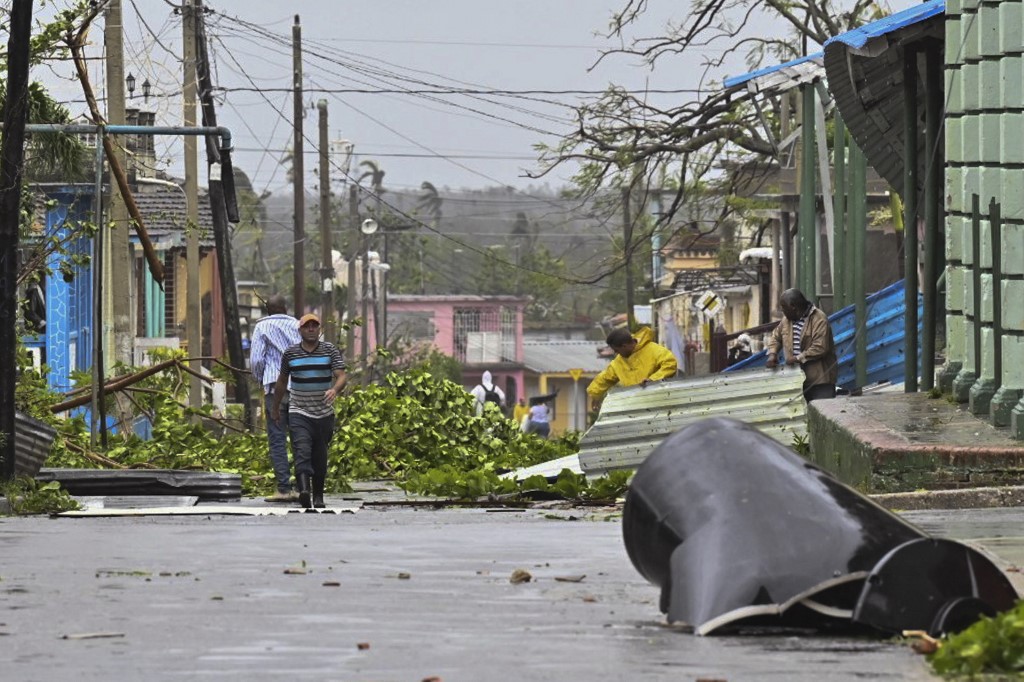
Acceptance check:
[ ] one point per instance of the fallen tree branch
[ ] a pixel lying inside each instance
(76, 42)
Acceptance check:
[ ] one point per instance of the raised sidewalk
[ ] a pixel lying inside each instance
(899, 442)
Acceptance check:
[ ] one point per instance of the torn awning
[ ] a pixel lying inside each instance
(864, 69)
(781, 77)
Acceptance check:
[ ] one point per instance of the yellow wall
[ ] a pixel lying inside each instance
(562, 420)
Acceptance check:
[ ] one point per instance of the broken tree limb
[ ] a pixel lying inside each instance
(76, 42)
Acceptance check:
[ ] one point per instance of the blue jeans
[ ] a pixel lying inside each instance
(277, 438)
(310, 440)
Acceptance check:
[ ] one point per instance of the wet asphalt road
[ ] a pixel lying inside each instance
(427, 592)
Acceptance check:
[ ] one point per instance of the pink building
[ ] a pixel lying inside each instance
(484, 333)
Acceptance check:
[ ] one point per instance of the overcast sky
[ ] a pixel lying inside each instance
(459, 141)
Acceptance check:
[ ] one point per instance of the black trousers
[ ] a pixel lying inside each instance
(310, 440)
(819, 392)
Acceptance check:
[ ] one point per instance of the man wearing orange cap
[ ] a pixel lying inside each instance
(317, 372)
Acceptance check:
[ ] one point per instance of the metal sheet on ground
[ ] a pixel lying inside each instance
(206, 510)
(634, 420)
(207, 485)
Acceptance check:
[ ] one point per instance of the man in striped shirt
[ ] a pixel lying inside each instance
(317, 373)
(805, 337)
(270, 337)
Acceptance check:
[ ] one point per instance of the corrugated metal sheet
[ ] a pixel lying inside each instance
(781, 76)
(860, 36)
(886, 313)
(864, 68)
(633, 421)
(545, 357)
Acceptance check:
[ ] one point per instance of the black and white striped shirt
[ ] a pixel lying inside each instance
(311, 374)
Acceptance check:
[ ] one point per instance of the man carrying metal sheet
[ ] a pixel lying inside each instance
(805, 337)
(638, 361)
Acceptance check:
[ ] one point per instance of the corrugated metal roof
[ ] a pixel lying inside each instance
(859, 37)
(546, 357)
(886, 313)
(781, 76)
(864, 68)
(633, 421)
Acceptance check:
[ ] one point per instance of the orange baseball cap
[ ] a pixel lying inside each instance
(308, 317)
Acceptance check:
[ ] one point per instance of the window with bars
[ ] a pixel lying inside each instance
(485, 335)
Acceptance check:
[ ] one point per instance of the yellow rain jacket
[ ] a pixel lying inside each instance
(648, 361)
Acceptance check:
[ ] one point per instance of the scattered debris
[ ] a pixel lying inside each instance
(331, 583)
(570, 578)
(921, 642)
(721, 488)
(589, 599)
(363, 646)
(216, 597)
(520, 576)
(94, 635)
(404, 576)
(432, 678)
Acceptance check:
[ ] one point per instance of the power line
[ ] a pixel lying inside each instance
(459, 91)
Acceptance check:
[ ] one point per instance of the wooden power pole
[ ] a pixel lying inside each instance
(119, 246)
(326, 258)
(221, 177)
(298, 176)
(193, 312)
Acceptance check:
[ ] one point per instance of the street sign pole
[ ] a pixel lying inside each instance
(576, 421)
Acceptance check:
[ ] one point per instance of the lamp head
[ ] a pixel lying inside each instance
(369, 226)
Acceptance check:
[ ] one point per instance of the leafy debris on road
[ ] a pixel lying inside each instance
(520, 576)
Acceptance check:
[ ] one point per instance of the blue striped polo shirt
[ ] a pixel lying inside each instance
(311, 374)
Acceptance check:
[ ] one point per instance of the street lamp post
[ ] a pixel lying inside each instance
(367, 228)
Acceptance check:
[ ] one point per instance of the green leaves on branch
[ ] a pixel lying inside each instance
(990, 646)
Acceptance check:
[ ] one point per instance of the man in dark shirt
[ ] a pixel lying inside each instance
(317, 373)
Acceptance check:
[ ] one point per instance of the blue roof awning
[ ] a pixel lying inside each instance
(734, 81)
(859, 37)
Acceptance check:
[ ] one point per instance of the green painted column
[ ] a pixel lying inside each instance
(858, 199)
(808, 226)
(971, 369)
(910, 284)
(839, 209)
(932, 211)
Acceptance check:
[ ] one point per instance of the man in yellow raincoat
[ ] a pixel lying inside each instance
(638, 360)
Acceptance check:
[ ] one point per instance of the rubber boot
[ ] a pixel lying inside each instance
(304, 490)
(318, 493)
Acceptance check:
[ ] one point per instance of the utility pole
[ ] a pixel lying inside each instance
(223, 207)
(193, 313)
(326, 260)
(298, 176)
(119, 250)
(353, 215)
(12, 157)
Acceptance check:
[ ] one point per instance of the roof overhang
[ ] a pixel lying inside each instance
(780, 78)
(864, 68)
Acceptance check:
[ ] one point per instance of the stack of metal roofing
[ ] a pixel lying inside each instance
(634, 420)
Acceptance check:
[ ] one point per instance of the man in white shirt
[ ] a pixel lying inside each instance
(270, 337)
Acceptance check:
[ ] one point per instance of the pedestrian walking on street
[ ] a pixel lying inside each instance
(540, 420)
(487, 392)
(805, 336)
(317, 372)
(270, 337)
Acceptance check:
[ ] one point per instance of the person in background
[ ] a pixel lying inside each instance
(540, 420)
(806, 337)
(741, 349)
(487, 392)
(520, 411)
(638, 361)
(317, 372)
(271, 335)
